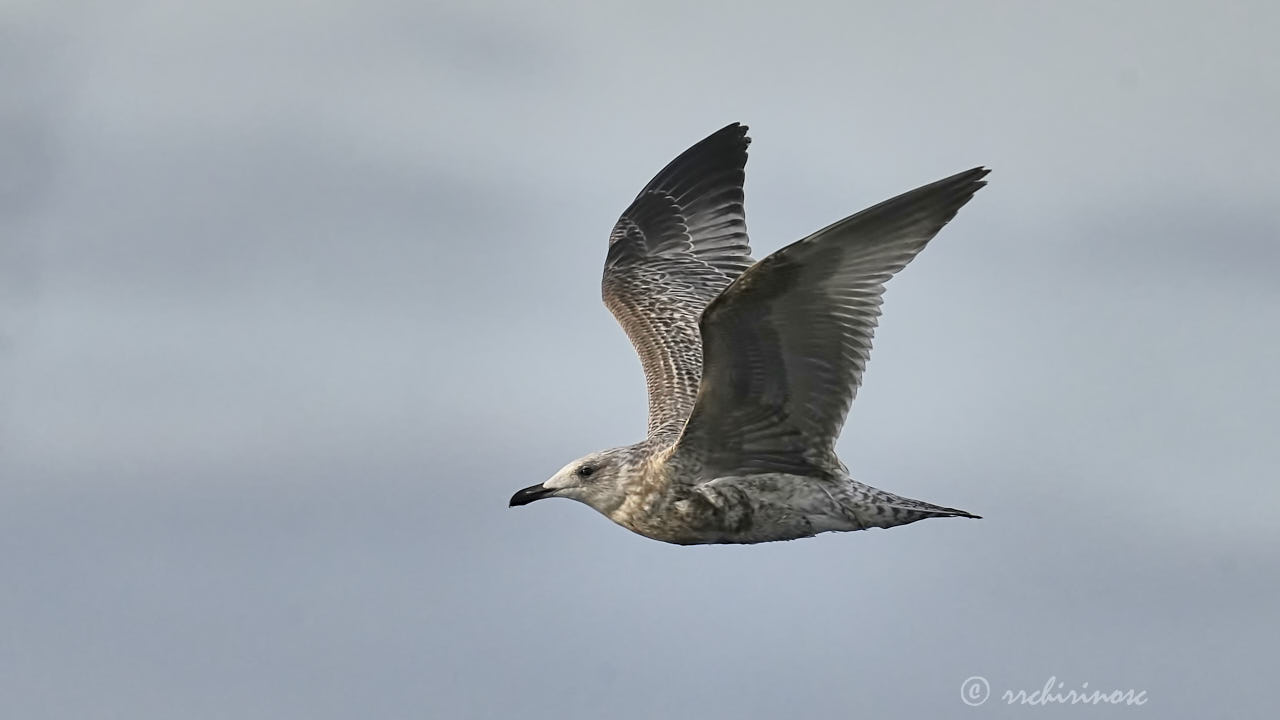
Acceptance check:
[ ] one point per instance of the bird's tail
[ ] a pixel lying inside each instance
(887, 510)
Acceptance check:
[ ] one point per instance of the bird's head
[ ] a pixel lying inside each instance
(598, 480)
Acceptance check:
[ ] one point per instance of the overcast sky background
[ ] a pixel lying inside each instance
(294, 295)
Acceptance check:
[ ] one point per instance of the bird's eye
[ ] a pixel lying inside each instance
(586, 470)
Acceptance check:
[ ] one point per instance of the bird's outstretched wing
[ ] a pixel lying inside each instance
(679, 244)
(786, 344)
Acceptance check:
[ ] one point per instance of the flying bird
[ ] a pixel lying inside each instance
(751, 366)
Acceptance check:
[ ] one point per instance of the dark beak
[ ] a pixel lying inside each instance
(529, 494)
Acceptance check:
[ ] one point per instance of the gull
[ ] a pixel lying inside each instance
(751, 366)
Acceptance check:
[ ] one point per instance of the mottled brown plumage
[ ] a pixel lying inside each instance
(751, 367)
(677, 247)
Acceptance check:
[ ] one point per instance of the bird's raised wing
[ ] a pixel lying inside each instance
(679, 244)
(785, 345)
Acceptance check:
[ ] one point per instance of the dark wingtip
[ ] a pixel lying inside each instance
(729, 136)
(979, 176)
(724, 150)
(974, 176)
(733, 128)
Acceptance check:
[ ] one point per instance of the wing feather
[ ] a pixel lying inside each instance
(785, 346)
(675, 248)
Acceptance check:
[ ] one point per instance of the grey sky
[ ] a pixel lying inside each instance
(294, 295)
